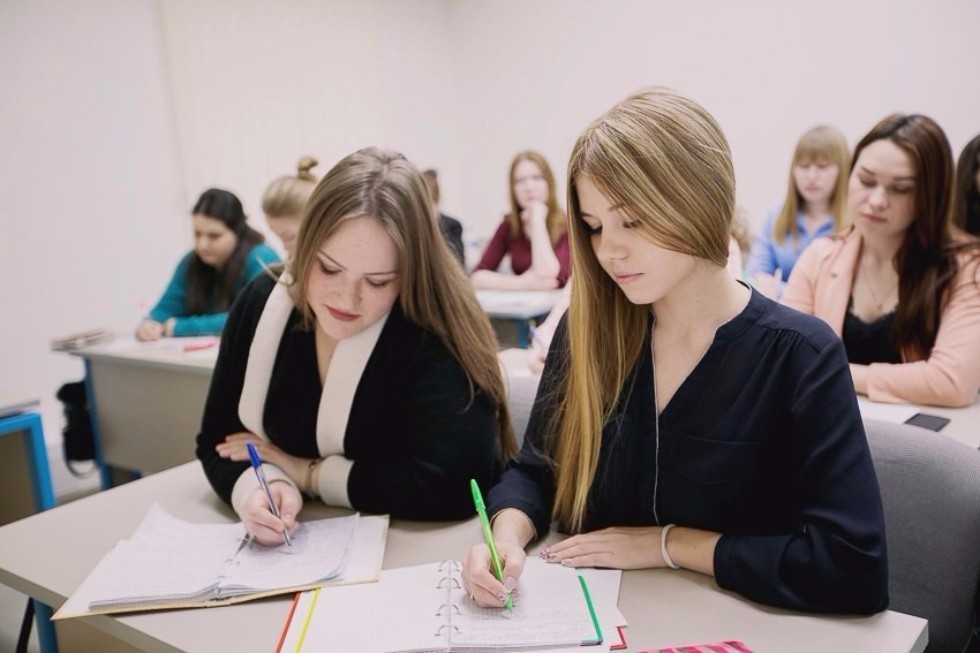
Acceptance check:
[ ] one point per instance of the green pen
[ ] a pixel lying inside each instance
(481, 509)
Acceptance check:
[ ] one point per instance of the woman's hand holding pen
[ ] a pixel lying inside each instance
(478, 579)
(258, 519)
(149, 330)
(511, 532)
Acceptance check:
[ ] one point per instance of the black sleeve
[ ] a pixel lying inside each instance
(529, 483)
(221, 409)
(836, 560)
(446, 438)
(452, 231)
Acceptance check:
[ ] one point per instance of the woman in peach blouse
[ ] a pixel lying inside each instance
(902, 285)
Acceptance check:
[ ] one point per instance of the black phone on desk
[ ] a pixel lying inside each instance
(926, 421)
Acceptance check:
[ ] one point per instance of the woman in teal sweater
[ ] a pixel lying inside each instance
(227, 254)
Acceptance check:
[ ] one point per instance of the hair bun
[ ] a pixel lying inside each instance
(304, 166)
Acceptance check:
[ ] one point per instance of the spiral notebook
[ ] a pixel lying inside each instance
(424, 608)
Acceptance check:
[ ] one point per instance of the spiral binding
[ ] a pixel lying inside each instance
(449, 582)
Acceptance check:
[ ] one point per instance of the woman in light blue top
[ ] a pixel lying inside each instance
(813, 207)
(227, 254)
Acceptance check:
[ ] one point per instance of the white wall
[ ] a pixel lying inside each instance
(533, 74)
(93, 215)
(259, 83)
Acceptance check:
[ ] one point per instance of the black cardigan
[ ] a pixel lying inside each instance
(763, 442)
(415, 434)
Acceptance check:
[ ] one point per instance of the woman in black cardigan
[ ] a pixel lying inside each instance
(366, 374)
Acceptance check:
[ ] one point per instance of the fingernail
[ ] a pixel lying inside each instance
(510, 583)
(500, 596)
(565, 562)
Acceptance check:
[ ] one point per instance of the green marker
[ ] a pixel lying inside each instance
(481, 509)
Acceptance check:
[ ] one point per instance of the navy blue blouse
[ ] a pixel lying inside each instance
(763, 442)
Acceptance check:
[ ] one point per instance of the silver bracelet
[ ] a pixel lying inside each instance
(663, 547)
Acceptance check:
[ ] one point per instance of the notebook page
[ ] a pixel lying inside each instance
(604, 590)
(165, 557)
(401, 612)
(550, 610)
(319, 550)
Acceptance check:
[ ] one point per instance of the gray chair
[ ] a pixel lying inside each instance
(521, 390)
(930, 490)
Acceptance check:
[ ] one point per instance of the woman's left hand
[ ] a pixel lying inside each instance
(616, 548)
(234, 448)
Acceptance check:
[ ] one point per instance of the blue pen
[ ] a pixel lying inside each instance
(253, 455)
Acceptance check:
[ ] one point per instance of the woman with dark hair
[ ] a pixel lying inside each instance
(901, 286)
(227, 254)
(966, 193)
(533, 233)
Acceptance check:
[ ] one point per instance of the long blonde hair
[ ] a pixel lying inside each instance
(821, 143)
(666, 161)
(433, 291)
(556, 217)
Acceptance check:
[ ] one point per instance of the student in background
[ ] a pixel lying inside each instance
(227, 254)
(355, 386)
(674, 394)
(451, 229)
(284, 199)
(533, 233)
(901, 286)
(813, 207)
(966, 193)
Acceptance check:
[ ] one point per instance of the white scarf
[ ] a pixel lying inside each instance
(348, 363)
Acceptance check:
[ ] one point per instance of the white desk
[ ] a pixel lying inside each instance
(48, 555)
(518, 305)
(148, 400)
(964, 423)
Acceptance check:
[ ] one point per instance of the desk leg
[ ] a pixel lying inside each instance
(40, 471)
(105, 473)
(46, 636)
(523, 326)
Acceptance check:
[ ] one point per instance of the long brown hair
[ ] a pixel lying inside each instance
(433, 290)
(928, 259)
(821, 143)
(556, 217)
(966, 195)
(666, 161)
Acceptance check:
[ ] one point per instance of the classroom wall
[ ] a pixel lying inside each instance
(533, 74)
(257, 84)
(93, 215)
(116, 114)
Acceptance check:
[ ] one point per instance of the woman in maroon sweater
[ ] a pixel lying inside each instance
(533, 233)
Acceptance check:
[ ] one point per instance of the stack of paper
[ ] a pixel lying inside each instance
(169, 563)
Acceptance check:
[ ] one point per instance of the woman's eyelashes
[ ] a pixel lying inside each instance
(898, 190)
(594, 230)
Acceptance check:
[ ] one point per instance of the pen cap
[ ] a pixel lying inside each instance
(253, 455)
(477, 497)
